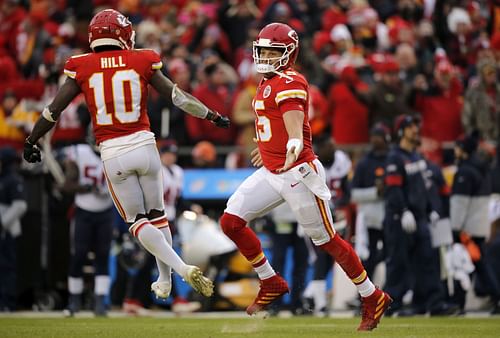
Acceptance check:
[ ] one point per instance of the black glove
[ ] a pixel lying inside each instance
(31, 152)
(219, 120)
(222, 122)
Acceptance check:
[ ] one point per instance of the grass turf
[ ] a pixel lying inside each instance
(238, 327)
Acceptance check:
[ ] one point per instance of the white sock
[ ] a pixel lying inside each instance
(366, 288)
(154, 241)
(265, 271)
(164, 270)
(75, 285)
(101, 285)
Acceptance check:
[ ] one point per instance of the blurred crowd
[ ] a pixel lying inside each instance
(367, 62)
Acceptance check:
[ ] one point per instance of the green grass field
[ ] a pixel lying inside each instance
(239, 327)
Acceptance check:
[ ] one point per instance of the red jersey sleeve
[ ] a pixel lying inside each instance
(153, 59)
(70, 68)
(292, 94)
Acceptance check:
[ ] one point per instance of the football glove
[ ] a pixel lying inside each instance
(31, 152)
(219, 120)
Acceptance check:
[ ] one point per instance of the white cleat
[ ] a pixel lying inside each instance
(162, 288)
(200, 283)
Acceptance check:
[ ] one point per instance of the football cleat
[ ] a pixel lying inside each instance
(162, 288)
(270, 290)
(200, 283)
(373, 307)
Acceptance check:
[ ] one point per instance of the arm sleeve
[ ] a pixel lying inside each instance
(394, 196)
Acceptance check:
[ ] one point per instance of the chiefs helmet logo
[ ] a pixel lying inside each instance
(122, 20)
(294, 36)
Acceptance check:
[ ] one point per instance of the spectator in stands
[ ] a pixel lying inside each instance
(235, 18)
(407, 60)
(345, 52)
(370, 33)
(348, 115)
(9, 74)
(12, 15)
(481, 109)
(243, 113)
(440, 105)
(15, 121)
(218, 96)
(388, 97)
(459, 42)
(12, 208)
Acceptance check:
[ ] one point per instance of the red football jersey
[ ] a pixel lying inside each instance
(115, 85)
(270, 127)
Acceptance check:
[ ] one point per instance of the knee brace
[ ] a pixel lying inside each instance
(231, 224)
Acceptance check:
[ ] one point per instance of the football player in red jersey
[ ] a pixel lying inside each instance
(290, 172)
(114, 79)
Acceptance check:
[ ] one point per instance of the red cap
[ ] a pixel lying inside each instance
(389, 66)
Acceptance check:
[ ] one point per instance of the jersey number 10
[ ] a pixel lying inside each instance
(126, 91)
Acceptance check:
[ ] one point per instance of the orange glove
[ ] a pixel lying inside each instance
(471, 246)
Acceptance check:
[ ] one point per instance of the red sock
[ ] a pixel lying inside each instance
(245, 239)
(344, 254)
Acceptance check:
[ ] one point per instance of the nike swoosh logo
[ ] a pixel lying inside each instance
(294, 184)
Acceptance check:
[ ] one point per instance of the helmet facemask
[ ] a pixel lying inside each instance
(271, 65)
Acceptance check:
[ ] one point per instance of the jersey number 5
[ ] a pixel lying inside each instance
(262, 124)
(126, 91)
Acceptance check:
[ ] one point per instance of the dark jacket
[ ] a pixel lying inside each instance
(405, 184)
(470, 195)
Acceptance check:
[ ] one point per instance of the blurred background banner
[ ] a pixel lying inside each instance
(212, 183)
